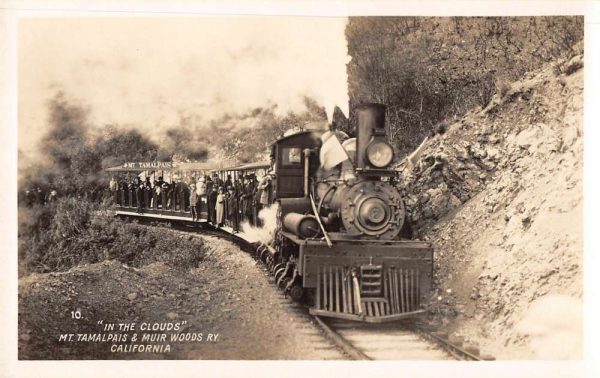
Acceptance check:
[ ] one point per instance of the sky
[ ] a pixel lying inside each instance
(148, 72)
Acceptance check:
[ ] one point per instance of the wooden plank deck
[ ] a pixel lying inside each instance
(185, 217)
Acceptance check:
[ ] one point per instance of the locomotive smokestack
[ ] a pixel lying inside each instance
(371, 126)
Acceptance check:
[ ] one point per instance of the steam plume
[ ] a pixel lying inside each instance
(263, 234)
(152, 72)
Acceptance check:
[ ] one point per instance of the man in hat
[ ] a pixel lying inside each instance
(164, 195)
(247, 197)
(201, 192)
(212, 202)
(39, 196)
(217, 180)
(209, 193)
(112, 185)
(52, 196)
(139, 195)
(265, 189)
(238, 190)
(232, 209)
(228, 182)
(193, 202)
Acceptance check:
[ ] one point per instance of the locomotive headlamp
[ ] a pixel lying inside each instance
(380, 154)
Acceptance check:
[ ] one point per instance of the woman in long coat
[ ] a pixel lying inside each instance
(232, 209)
(212, 198)
(210, 208)
(220, 208)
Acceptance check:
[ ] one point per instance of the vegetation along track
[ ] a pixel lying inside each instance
(406, 340)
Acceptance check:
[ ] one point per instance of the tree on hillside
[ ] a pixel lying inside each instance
(242, 138)
(76, 159)
(71, 166)
(427, 69)
(117, 146)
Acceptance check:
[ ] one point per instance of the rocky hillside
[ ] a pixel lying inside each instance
(500, 193)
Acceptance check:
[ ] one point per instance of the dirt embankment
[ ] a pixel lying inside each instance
(500, 193)
(227, 294)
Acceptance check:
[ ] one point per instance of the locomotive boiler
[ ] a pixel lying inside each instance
(340, 221)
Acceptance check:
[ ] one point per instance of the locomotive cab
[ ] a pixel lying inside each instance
(291, 154)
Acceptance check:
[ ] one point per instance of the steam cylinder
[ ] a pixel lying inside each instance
(303, 226)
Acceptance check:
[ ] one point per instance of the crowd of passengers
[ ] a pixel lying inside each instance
(37, 195)
(228, 202)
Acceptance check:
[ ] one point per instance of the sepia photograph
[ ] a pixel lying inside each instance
(285, 187)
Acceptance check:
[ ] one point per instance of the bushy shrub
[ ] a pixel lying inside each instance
(34, 224)
(72, 232)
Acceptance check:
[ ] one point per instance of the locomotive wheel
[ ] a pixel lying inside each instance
(282, 282)
(274, 267)
(296, 292)
(279, 273)
(264, 256)
(277, 267)
(272, 263)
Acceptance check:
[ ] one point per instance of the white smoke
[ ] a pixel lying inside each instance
(150, 72)
(266, 233)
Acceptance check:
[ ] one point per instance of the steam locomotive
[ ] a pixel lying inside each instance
(338, 243)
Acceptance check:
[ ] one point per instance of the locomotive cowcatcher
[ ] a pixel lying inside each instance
(341, 222)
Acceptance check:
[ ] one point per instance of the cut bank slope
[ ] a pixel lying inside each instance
(500, 193)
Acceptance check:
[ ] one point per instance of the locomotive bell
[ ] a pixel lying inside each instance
(373, 151)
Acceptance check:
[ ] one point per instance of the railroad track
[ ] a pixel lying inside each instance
(366, 341)
(396, 341)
